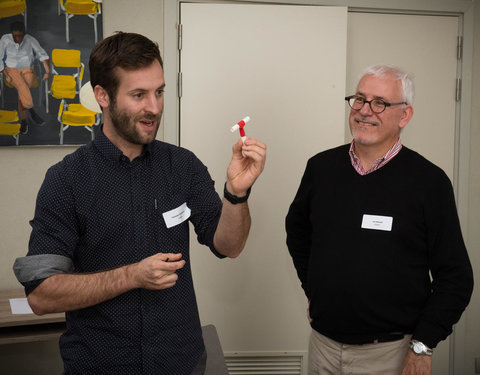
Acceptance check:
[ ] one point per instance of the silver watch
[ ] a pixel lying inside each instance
(420, 348)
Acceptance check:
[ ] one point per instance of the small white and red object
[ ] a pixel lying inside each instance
(239, 126)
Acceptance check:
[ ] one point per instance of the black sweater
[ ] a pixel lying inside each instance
(363, 281)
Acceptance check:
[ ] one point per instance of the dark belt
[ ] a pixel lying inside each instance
(387, 337)
(375, 339)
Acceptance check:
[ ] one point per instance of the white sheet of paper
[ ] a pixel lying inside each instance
(177, 215)
(377, 222)
(20, 306)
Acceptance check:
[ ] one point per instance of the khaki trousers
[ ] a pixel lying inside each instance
(22, 80)
(329, 357)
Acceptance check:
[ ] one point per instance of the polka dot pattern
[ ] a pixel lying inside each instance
(103, 211)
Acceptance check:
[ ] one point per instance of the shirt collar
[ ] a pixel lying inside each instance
(112, 152)
(380, 162)
(18, 45)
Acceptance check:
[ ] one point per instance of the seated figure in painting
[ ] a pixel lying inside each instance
(18, 51)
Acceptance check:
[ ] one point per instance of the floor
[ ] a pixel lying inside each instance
(44, 23)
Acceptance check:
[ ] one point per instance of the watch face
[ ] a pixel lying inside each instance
(418, 348)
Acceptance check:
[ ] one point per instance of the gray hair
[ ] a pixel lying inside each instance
(382, 71)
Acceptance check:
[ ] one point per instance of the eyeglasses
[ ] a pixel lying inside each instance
(376, 105)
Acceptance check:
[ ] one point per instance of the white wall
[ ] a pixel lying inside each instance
(143, 17)
(22, 170)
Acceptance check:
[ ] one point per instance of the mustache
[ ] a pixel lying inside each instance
(365, 119)
(148, 117)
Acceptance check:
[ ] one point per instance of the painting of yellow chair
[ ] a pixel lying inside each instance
(10, 125)
(75, 114)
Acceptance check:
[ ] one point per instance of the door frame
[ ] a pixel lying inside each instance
(464, 9)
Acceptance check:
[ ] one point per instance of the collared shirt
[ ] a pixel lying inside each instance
(20, 56)
(98, 210)
(378, 163)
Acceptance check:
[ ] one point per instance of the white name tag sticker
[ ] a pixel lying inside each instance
(377, 222)
(177, 215)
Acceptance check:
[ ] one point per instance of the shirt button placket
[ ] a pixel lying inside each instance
(137, 205)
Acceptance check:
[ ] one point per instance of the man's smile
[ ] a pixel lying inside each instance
(365, 123)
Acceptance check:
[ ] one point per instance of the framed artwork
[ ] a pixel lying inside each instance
(65, 31)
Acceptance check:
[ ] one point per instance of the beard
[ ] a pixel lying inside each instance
(125, 125)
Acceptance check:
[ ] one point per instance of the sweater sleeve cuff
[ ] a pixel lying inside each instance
(429, 334)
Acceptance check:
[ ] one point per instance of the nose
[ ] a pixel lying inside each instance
(154, 104)
(365, 110)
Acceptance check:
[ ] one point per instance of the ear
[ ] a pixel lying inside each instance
(406, 116)
(101, 96)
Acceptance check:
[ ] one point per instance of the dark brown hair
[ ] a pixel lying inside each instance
(128, 51)
(17, 26)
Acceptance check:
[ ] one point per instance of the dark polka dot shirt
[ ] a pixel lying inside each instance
(103, 211)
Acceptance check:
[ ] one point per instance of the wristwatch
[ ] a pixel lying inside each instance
(420, 348)
(233, 199)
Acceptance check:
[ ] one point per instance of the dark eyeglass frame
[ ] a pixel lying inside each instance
(379, 101)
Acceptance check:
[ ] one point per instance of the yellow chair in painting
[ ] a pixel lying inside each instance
(65, 86)
(76, 115)
(9, 8)
(9, 124)
(80, 8)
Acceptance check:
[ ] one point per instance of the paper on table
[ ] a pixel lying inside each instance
(20, 306)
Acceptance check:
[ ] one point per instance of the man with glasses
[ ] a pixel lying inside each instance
(370, 223)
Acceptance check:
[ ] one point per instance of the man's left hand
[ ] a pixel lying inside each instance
(245, 168)
(45, 76)
(414, 364)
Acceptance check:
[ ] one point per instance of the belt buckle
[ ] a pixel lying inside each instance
(392, 337)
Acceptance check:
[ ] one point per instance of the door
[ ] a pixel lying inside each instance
(284, 66)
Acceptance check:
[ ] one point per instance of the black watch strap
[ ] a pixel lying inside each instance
(233, 199)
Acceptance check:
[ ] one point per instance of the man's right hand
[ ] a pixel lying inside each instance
(157, 271)
(67, 292)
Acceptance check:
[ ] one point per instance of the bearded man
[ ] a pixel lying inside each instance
(110, 235)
